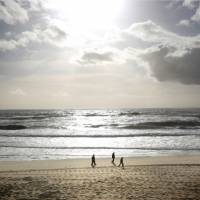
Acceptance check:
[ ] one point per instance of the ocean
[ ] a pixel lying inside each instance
(60, 134)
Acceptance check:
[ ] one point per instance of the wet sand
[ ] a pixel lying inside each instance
(155, 178)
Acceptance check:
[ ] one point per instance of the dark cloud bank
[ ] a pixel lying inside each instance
(184, 69)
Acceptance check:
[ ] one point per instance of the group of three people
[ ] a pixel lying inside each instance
(121, 163)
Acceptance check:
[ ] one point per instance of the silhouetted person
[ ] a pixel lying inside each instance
(93, 161)
(121, 162)
(113, 158)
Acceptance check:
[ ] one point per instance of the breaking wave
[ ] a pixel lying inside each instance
(164, 124)
(129, 113)
(12, 127)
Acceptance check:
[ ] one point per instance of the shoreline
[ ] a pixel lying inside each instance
(71, 163)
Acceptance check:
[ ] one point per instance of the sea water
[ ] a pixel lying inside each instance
(60, 134)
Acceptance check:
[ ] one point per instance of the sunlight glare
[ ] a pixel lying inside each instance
(87, 14)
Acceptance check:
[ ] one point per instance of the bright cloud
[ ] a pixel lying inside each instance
(87, 14)
(12, 12)
(51, 35)
(184, 22)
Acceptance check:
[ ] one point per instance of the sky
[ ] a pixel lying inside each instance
(99, 54)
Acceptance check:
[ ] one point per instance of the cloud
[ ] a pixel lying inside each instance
(17, 92)
(12, 12)
(196, 16)
(189, 3)
(52, 35)
(35, 5)
(184, 22)
(166, 67)
(194, 5)
(7, 45)
(19, 11)
(171, 57)
(148, 31)
(94, 57)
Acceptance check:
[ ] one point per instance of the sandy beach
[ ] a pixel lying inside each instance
(171, 177)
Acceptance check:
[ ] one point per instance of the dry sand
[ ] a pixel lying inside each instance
(143, 178)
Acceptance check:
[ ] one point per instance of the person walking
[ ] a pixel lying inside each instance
(113, 158)
(93, 163)
(121, 162)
